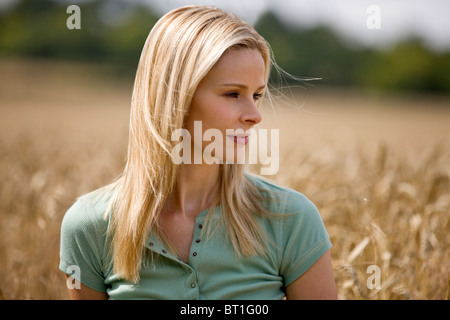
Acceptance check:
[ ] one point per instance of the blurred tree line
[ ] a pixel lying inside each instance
(113, 33)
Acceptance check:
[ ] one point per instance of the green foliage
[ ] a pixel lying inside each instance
(406, 66)
(38, 29)
(316, 53)
(114, 31)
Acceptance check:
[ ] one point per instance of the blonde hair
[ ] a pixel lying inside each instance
(179, 51)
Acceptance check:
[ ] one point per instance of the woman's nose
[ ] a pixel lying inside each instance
(251, 116)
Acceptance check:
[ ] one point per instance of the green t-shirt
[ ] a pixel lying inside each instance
(213, 271)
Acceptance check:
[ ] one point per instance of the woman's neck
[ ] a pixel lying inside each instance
(195, 190)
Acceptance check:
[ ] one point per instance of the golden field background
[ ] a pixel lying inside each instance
(377, 167)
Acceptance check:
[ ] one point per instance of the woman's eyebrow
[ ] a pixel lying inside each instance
(239, 85)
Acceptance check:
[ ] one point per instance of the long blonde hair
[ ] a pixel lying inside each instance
(179, 51)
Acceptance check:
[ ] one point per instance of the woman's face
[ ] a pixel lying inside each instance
(226, 98)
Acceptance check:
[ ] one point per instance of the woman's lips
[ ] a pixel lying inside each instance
(242, 140)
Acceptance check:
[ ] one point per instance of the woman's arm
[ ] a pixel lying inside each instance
(86, 293)
(316, 283)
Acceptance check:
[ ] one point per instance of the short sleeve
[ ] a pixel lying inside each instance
(304, 235)
(82, 245)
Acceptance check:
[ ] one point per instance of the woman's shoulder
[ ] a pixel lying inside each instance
(300, 232)
(282, 199)
(88, 212)
(83, 242)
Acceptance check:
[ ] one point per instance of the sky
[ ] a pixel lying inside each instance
(397, 19)
(394, 19)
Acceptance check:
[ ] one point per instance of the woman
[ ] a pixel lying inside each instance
(187, 230)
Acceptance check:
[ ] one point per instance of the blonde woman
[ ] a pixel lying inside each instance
(187, 230)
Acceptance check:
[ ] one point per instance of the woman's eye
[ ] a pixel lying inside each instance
(232, 95)
(257, 96)
(235, 95)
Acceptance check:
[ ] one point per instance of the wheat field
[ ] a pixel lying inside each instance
(377, 167)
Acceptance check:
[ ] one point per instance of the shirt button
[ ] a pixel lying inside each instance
(194, 254)
(200, 226)
(164, 251)
(198, 240)
(193, 285)
(150, 244)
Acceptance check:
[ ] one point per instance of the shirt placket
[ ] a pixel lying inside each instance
(157, 247)
(194, 258)
(191, 280)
